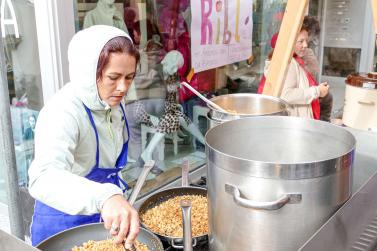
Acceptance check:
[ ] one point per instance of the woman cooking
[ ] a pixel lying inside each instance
(81, 141)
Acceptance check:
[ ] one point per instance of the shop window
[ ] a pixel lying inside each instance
(24, 82)
(163, 28)
(25, 94)
(340, 62)
(157, 27)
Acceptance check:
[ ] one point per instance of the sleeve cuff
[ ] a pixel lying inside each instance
(108, 191)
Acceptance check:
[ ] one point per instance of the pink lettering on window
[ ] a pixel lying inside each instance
(206, 23)
(227, 34)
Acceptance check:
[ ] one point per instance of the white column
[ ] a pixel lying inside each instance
(55, 28)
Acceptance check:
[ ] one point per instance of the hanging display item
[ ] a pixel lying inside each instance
(221, 33)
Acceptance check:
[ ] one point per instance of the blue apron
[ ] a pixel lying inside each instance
(48, 221)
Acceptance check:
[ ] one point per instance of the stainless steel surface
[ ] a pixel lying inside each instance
(186, 217)
(267, 158)
(353, 227)
(11, 243)
(7, 154)
(365, 157)
(140, 181)
(243, 105)
(76, 236)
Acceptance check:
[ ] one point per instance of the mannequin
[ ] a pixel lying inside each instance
(105, 13)
(149, 86)
(173, 117)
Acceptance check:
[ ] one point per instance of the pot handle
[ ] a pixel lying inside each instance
(177, 246)
(361, 102)
(270, 205)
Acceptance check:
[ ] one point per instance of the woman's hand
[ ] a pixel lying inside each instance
(121, 218)
(323, 89)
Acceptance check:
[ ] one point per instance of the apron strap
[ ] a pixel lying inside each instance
(95, 131)
(122, 158)
(125, 119)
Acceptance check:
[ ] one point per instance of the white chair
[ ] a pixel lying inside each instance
(198, 111)
(161, 145)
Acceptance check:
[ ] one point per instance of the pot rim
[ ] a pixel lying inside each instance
(284, 105)
(280, 170)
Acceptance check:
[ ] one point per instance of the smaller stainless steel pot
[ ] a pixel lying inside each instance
(242, 105)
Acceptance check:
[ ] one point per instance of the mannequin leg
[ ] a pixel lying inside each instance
(147, 154)
(191, 128)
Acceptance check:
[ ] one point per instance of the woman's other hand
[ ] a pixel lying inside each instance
(121, 219)
(323, 89)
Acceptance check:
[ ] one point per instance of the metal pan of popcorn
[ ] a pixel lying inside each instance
(161, 213)
(77, 236)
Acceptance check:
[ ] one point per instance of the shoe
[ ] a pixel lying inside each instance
(139, 163)
(156, 170)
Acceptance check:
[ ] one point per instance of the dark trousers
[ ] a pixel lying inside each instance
(326, 106)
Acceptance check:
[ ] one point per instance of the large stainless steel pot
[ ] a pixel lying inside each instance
(245, 105)
(274, 180)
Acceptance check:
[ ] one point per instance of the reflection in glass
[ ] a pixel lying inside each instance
(165, 27)
(25, 93)
(339, 62)
(24, 84)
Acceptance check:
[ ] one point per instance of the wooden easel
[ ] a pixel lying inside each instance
(290, 27)
(374, 12)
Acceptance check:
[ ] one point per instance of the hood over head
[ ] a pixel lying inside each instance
(83, 54)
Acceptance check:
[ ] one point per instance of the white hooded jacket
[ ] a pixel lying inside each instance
(65, 142)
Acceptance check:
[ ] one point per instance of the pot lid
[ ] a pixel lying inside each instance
(363, 80)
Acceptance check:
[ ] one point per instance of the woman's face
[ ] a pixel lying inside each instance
(302, 43)
(116, 78)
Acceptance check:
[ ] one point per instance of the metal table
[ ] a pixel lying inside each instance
(12, 243)
(354, 225)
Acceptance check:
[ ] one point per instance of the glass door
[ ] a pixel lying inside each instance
(25, 95)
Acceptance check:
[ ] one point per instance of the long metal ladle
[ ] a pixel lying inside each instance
(186, 216)
(204, 98)
(139, 184)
